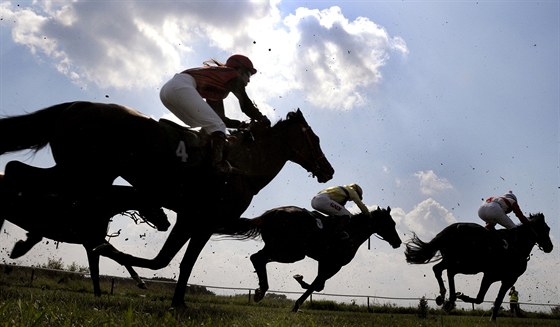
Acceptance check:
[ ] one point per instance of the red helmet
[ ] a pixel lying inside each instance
(240, 61)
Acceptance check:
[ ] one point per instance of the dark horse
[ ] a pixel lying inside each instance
(468, 248)
(94, 143)
(80, 221)
(291, 233)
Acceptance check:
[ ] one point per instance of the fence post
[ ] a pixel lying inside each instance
(368, 303)
(112, 285)
(310, 298)
(249, 296)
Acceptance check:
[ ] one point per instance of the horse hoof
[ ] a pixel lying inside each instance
(439, 300)
(448, 306)
(142, 286)
(259, 295)
(298, 277)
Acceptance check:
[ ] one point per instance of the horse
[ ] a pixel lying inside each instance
(469, 248)
(42, 211)
(291, 233)
(94, 143)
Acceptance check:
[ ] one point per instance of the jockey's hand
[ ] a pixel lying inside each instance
(264, 121)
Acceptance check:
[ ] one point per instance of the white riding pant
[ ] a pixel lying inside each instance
(324, 204)
(493, 213)
(180, 96)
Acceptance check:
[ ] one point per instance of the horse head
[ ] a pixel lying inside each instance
(384, 226)
(541, 231)
(303, 146)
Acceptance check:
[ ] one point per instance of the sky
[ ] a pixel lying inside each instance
(430, 106)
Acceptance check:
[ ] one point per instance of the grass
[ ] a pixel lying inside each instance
(67, 300)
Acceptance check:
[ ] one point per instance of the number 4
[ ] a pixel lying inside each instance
(181, 151)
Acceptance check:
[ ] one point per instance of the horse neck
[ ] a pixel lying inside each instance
(523, 238)
(261, 159)
(359, 229)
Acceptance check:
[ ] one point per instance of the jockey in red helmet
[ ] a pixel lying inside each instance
(196, 97)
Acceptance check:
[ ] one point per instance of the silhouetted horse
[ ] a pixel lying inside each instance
(468, 248)
(291, 233)
(43, 212)
(94, 143)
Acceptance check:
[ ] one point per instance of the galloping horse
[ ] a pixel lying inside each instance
(291, 233)
(81, 221)
(94, 143)
(468, 248)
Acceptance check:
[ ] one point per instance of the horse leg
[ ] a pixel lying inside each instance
(484, 286)
(22, 247)
(194, 248)
(93, 260)
(259, 260)
(325, 272)
(450, 304)
(134, 275)
(438, 270)
(175, 241)
(506, 285)
(301, 282)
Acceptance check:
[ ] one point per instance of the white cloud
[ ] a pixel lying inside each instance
(334, 62)
(426, 219)
(431, 184)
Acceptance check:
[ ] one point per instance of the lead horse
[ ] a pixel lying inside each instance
(94, 143)
(468, 248)
(291, 233)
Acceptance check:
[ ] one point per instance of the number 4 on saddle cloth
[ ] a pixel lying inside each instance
(189, 146)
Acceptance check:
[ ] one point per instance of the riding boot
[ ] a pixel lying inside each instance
(217, 145)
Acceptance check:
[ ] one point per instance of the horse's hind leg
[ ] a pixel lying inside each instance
(22, 247)
(438, 270)
(259, 260)
(325, 271)
(450, 305)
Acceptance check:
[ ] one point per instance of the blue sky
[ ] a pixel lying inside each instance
(429, 106)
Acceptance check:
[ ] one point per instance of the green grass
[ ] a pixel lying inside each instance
(67, 300)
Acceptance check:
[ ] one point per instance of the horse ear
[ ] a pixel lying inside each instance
(378, 208)
(388, 209)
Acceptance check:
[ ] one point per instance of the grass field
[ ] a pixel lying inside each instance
(66, 300)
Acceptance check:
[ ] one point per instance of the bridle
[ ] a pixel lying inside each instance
(317, 155)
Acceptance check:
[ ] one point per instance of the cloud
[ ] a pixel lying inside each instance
(334, 62)
(431, 184)
(426, 219)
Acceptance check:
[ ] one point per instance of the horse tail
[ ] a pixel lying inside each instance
(420, 252)
(29, 131)
(243, 229)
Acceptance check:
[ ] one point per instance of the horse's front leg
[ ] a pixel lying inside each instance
(325, 271)
(438, 270)
(259, 260)
(484, 286)
(93, 261)
(506, 285)
(194, 248)
(302, 283)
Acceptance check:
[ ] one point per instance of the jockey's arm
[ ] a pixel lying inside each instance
(218, 106)
(517, 211)
(247, 106)
(356, 198)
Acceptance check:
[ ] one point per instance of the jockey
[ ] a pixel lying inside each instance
(495, 209)
(185, 93)
(331, 202)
